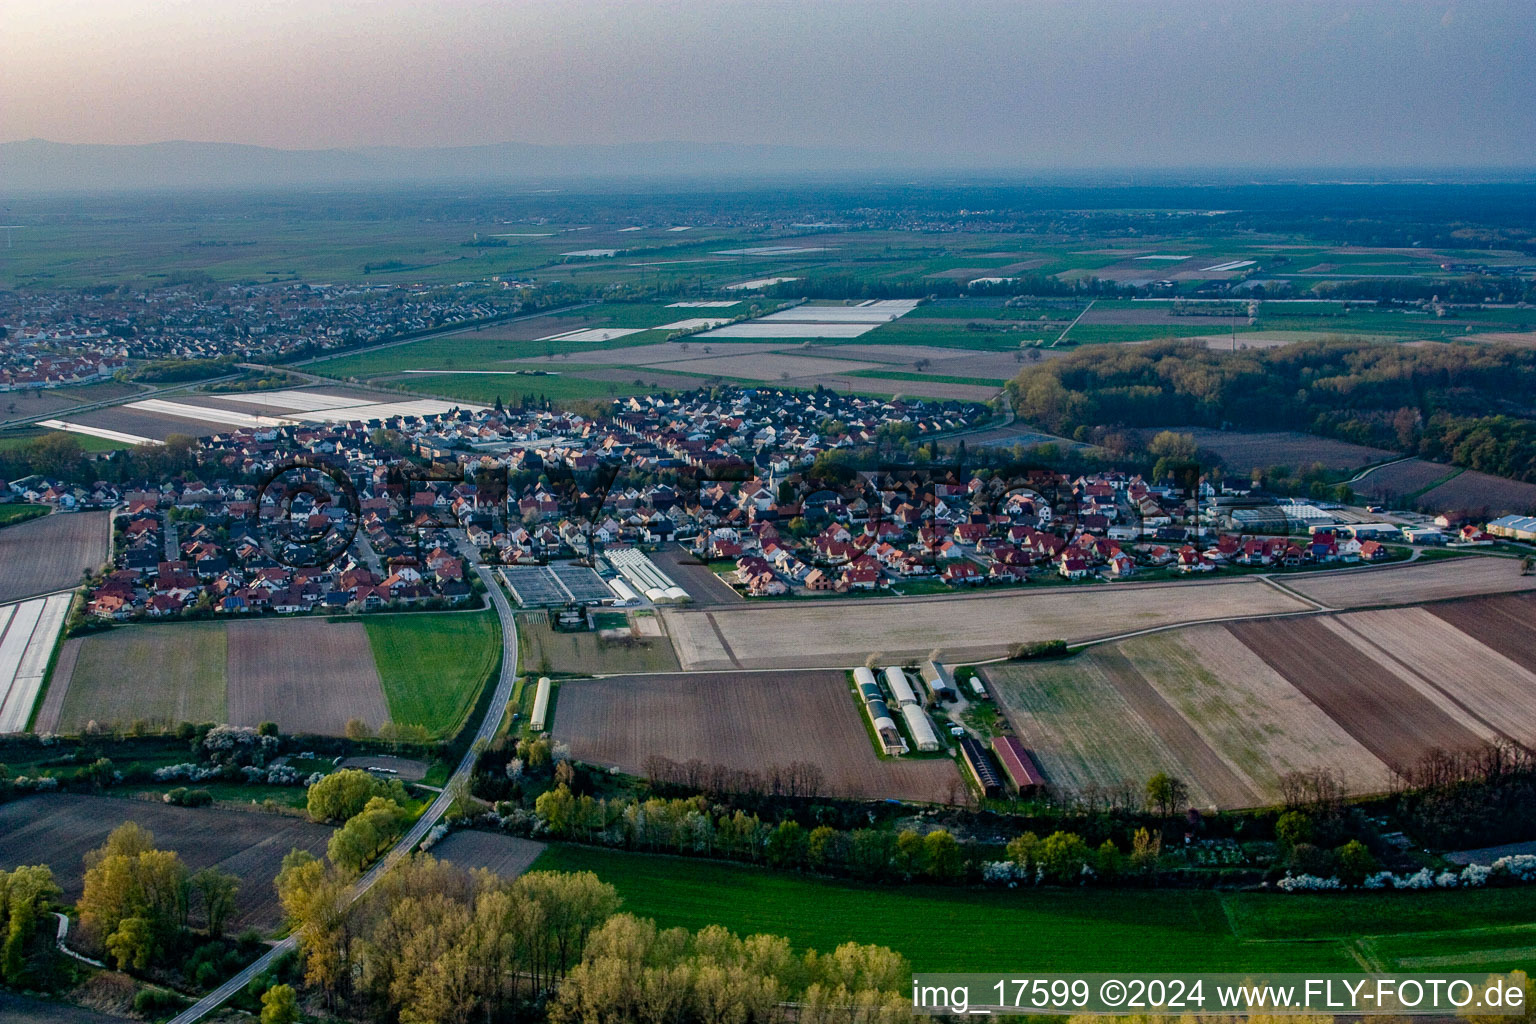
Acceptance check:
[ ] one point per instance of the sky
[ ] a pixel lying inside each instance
(1025, 83)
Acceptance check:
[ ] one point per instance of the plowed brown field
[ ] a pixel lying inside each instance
(57, 829)
(1507, 624)
(1374, 705)
(746, 722)
(307, 675)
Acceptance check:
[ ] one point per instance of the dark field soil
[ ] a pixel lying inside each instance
(58, 829)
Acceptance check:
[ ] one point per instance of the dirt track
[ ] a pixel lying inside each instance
(745, 722)
(307, 675)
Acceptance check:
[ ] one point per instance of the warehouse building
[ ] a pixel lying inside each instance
(1018, 765)
(979, 764)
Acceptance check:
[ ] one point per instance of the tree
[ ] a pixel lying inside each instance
(943, 860)
(1292, 829)
(25, 894)
(217, 890)
(1024, 851)
(1109, 862)
(1166, 794)
(357, 729)
(786, 845)
(1355, 862)
(132, 945)
(279, 1005)
(1146, 850)
(1063, 855)
(367, 834)
(342, 795)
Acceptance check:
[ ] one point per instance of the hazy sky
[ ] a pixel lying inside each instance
(1020, 83)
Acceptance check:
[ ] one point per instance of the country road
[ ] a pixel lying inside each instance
(430, 817)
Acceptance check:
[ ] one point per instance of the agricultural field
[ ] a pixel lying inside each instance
(29, 631)
(507, 856)
(1335, 669)
(20, 512)
(1411, 583)
(1402, 482)
(160, 674)
(48, 554)
(964, 627)
(1089, 929)
(308, 675)
(1242, 451)
(58, 829)
(1506, 624)
(433, 668)
(1471, 491)
(543, 650)
(1193, 703)
(746, 723)
(1231, 708)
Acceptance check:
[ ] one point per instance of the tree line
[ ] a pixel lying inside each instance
(1467, 404)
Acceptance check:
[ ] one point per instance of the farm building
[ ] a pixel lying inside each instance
(979, 764)
(540, 705)
(940, 683)
(1018, 765)
(865, 680)
(922, 730)
(644, 577)
(885, 726)
(901, 689)
(1514, 527)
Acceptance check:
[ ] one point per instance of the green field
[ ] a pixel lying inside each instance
(88, 444)
(545, 651)
(1068, 930)
(20, 512)
(434, 666)
(162, 674)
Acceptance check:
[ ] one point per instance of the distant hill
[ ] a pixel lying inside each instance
(39, 165)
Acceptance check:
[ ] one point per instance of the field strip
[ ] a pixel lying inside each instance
(1260, 724)
(101, 432)
(1506, 624)
(1216, 777)
(1379, 709)
(14, 644)
(63, 671)
(1479, 687)
(206, 414)
(1469, 958)
(34, 665)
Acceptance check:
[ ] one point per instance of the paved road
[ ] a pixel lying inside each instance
(430, 817)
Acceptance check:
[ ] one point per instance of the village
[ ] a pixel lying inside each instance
(753, 483)
(57, 338)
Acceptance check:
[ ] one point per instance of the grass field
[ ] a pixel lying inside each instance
(544, 651)
(20, 512)
(1087, 930)
(434, 666)
(163, 674)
